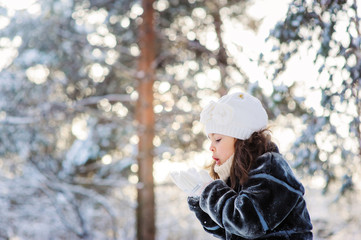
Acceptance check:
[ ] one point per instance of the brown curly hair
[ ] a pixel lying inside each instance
(245, 153)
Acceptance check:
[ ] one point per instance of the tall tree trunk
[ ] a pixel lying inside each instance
(221, 55)
(145, 118)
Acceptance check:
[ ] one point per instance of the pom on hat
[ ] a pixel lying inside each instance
(236, 115)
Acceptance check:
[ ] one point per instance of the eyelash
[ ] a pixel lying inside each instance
(218, 140)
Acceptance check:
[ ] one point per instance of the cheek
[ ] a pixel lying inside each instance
(231, 150)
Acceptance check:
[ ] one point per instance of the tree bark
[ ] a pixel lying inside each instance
(221, 55)
(145, 118)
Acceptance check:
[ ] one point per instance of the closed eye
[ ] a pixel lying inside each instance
(218, 140)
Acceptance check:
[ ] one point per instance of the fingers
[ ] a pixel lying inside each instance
(193, 176)
(181, 179)
(175, 176)
(190, 180)
(205, 176)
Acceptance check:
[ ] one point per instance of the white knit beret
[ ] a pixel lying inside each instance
(235, 115)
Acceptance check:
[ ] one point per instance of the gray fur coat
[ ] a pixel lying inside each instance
(270, 205)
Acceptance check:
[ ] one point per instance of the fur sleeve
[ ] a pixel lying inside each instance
(208, 224)
(256, 210)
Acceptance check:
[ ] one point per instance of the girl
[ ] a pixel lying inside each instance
(254, 193)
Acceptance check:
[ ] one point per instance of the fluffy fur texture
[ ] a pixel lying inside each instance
(270, 205)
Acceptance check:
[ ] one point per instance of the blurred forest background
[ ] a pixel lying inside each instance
(99, 99)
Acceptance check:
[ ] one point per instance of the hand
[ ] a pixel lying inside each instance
(191, 181)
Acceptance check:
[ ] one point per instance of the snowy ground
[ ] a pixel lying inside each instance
(334, 220)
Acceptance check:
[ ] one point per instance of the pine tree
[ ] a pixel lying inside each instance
(330, 32)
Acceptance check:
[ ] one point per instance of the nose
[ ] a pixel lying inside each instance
(212, 148)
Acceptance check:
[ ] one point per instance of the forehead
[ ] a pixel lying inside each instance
(216, 135)
(212, 134)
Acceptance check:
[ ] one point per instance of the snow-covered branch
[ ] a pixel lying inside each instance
(97, 99)
(18, 120)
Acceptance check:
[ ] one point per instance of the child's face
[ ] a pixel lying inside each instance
(222, 147)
